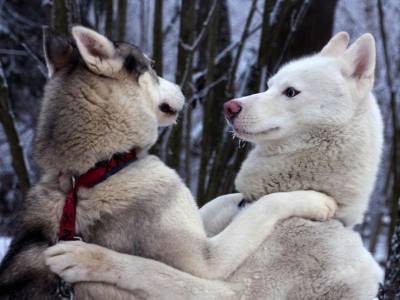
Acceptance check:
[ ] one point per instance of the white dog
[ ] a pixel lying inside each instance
(317, 127)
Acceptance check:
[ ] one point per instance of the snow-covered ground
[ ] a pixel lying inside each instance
(4, 243)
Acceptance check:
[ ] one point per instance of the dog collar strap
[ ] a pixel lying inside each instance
(100, 172)
(244, 203)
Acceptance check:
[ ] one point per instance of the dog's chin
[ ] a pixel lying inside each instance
(254, 136)
(165, 120)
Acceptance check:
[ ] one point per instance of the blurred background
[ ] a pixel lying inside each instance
(215, 50)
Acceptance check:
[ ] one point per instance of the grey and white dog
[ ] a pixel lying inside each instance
(103, 98)
(317, 127)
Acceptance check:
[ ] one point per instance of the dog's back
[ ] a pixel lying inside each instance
(90, 111)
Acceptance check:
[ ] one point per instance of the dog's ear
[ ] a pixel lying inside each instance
(359, 63)
(97, 51)
(336, 45)
(360, 58)
(58, 51)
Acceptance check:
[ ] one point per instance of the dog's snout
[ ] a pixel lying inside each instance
(231, 109)
(167, 109)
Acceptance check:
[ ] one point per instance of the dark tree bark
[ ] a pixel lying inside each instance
(158, 37)
(109, 18)
(391, 287)
(98, 11)
(59, 18)
(7, 120)
(65, 13)
(217, 78)
(183, 73)
(122, 10)
(390, 290)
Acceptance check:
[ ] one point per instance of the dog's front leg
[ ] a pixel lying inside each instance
(227, 250)
(82, 262)
(218, 213)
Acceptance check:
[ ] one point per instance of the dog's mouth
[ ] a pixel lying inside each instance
(242, 132)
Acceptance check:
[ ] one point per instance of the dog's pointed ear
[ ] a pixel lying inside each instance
(336, 45)
(359, 63)
(58, 51)
(97, 51)
(360, 58)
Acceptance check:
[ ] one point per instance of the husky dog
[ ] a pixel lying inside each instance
(103, 98)
(317, 127)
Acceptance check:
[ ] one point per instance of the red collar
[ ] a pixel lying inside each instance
(100, 172)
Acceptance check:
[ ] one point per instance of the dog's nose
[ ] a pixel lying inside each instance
(231, 109)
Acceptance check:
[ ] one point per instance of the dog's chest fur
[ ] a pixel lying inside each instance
(123, 213)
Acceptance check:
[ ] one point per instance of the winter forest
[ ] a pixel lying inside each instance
(215, 50)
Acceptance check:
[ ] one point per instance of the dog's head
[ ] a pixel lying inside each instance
(322, 90)
(102, 97)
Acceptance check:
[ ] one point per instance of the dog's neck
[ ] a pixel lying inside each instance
(64, 178)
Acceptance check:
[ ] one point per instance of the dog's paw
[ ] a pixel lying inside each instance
(312, 205)
(320, 207)
(77, 261)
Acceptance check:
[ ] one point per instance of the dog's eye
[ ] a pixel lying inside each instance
(291, 92)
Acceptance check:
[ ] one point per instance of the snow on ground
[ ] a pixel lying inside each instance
(4, 243)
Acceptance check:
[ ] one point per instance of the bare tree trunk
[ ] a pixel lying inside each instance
(98, 8)
(391, 288)
(64, 14)
(395, 193)
(225, 149)
(158, 37)
(122, 10)
(183, 75)
(215, 85)
(59, 19)
(7, 120)
(73, 12)
(109, 18)
(144, 24)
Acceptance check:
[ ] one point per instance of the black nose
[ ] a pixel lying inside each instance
(167, 109)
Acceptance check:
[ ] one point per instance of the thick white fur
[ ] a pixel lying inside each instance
(333, 126)
(334, 116)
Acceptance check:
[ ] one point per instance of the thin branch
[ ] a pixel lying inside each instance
(226, 51)
(171, 24)
(40, 65)
(13, 52)
(199, 38)
(204, 91)
(245, 34)
(295, 23)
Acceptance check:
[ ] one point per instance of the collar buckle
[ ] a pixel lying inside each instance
(73, 182)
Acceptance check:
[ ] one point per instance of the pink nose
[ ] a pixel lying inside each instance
(231, 109)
